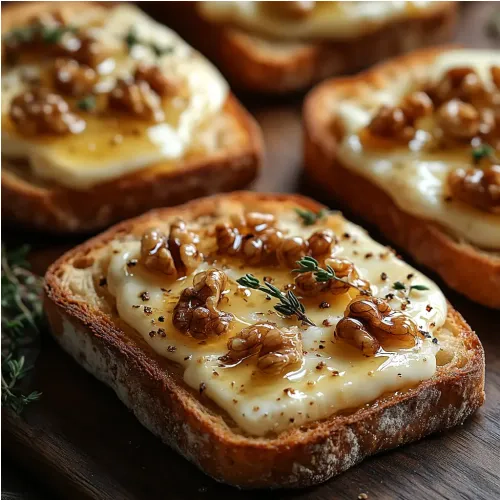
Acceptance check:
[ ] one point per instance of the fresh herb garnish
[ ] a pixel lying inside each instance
(397, 285)
(289, 304)
(21, 319)
(483, 151)
(310, 264)
(131, 39)
(48, 34)
(309, 218)
(87, 103)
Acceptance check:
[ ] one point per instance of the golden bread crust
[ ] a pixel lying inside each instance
(188, 422)
(47, 206)
(471, 271)
(263, 65)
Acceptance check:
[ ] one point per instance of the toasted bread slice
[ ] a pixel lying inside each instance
(85, 322)
(470, 270)
(224, 154)
(256, 63)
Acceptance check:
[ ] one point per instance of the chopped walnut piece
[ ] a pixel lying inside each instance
(84, 48)
(291, 250)
(72, 78)
(476, 187)
(371, 322)
(321, 242)
(275, 348)
(155, 253)
(40, 111)
(457, 83)
(228, 239)
(458, 120)
(156, 79)
(354, 333)
(416, 105)
(136, 98)
(196, 311)
(391, 122)
(182, 244)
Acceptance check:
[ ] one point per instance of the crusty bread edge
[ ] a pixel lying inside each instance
(297, 458)
(250, 68)
(470, 271)
(57, 209)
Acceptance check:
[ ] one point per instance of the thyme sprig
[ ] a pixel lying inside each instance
(21, 319)
(48, 34)
(288, 305)
(397, 285)
(483, 151)
(310, 218)
(309, 264)
(132, 39)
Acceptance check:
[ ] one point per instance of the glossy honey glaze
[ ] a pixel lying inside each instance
(332, 377)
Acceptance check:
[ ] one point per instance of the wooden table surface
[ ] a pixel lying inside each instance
(79, 441)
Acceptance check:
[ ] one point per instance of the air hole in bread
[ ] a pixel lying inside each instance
(444, 357)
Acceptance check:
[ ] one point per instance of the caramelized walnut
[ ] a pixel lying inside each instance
(39, 111)
(458, 83)
(291, 250)
(353, 332)
(398, 122)
(155, 253)
(476, 187)
(182, 244)
(196, 312)
(390, 122)
(321, 243)
(84, 48)
(369, 322)
(136, 98)
(72, 78)
(416, 105)
(156, 79)
(255, 249)
(458, 120)
(275, 348)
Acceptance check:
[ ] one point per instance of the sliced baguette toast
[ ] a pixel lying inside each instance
(225, 154)
(259, 64)
(464, 267)
(85, 323)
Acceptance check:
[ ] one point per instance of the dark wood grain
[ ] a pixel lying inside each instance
(82, 442)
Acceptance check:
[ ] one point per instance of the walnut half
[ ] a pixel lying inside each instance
(369, 323)
(275, 348)
(40, 111)
(196, 312)
(477, 187)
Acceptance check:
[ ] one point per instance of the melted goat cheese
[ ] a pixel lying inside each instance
(417, 180)
(333, 376)
(82, 160)
(328, 20)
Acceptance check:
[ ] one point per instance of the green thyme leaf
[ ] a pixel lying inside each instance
(289, 304)
(419, 287)
(397, 285)
(132, 39)
(21, 321)
(309, 218)
(87, 103)
(482, 151)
